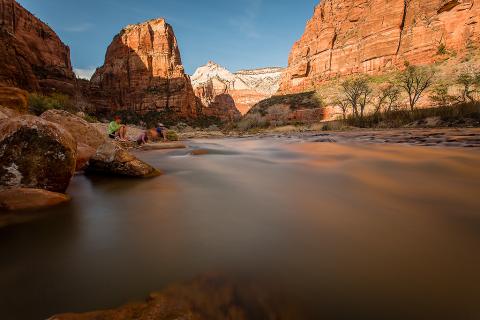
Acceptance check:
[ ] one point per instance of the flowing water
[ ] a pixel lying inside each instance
(342, 231)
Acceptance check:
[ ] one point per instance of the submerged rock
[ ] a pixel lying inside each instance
(25, 198)
(112, 159)
(206, 298)
(35, 153)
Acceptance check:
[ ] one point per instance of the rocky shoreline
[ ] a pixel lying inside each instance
(40, 155)
(431, 137)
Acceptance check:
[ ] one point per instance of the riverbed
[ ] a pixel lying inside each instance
(341, 230)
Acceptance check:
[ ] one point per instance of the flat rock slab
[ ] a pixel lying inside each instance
(163, 146)
(27, 199)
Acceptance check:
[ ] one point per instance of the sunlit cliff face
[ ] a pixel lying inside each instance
(143, 71)
(152, 45)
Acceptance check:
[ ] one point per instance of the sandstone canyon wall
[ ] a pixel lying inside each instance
(241, 90)
(374, 36)
(32, 56)
(143, 72)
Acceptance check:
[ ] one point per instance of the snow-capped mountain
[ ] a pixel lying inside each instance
(264, 80)
(246, 87)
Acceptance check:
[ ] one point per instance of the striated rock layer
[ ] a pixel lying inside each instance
(221, 89)
(32, 56)
(143, 72)
(374, 36)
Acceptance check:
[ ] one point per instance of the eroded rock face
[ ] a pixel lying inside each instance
(14, 99)
(143, 72)
(111, 159)
(306, 107)
(213, 83)
(35, 153)
(32, 56)
(374, 36)
(217, 101)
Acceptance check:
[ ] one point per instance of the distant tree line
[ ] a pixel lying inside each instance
(357, 93)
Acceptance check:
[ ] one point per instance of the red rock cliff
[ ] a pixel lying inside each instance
(143, 72)
(373, 36)
(32, 56)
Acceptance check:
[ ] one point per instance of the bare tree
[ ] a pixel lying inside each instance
(357, 92)
(415, 80)
(343, 104)
(469, 80)
(387, 98)
(393, 95)
(440, 94)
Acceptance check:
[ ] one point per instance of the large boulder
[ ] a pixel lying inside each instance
(35, 153)
(112, 159)
(88, 137)
(80, 129)
(14, 98)
(26, 199)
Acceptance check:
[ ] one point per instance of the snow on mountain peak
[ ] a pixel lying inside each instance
(263, 80)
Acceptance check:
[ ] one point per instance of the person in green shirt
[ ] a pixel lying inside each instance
(117, 130)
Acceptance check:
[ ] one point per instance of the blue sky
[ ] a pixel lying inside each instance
(238, 34)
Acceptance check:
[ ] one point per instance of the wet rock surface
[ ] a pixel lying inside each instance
(26, 199)
(112, 159)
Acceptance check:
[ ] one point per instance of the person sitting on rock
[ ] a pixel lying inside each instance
(117, 130)
(142, 138)
(162, 131)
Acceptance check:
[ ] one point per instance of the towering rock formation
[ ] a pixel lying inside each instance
(143, 72)
(32, 56)
(373, 36)
(215, 86)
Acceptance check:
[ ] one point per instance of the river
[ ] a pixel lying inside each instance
(344, 231)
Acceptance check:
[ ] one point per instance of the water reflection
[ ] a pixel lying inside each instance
(337, 231)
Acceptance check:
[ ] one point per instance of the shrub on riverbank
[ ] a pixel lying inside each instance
(449, 115)
(39, 103)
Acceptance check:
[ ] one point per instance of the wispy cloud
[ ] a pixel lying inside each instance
(245, 22)
(84, 73)
(82, 27)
